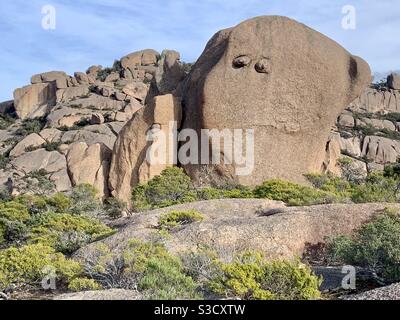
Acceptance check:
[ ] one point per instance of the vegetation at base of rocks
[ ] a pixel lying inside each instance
(375, 246)
(38, 228)
(31, 126)
(104, 73)
(144, 266)
(179, 218)
(30, 264)
(52, 146)
(251, 277)
(38, 182)
(6, 120)
(149, 268)
(114, 208)
(84, 198)
(4, 161)
(83, 284)
(173, 187)
(294, 194)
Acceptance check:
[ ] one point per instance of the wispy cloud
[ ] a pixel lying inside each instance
(98, 31)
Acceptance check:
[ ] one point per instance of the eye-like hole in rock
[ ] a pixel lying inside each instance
(263, 66)
(241, 61)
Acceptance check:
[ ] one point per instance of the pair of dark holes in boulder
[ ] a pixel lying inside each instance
(262, 66)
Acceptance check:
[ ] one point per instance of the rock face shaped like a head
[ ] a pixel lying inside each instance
(282, 79)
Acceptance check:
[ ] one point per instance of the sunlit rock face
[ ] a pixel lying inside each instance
(284, 80)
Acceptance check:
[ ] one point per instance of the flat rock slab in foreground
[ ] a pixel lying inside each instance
(386, 293)
(233, 225)
(113, 294)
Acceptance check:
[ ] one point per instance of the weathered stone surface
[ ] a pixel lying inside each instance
(67, 117)
(140, 58)
(112, 77)
(394, 81)
(137, 90)
(89, 164)
(351, 146)
(31, 141)
(169, 72)
(34, 100)
(374, 101)
(93, 71)
(332, 155)
(91, 136)
(58, 77)
(381, 150)
(38, 160)
(61, 180)
(346, 120)
(97, 118)
(391, 292)
(68, 94)
(120, 96)
(81, 77)
(280, 78)
(130, 149)
(234, 225)
(102, 295)
(167, 109)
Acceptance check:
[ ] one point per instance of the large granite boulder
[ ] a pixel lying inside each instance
(129, 165)
(284, 80)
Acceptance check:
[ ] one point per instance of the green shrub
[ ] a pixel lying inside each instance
(377, 188)
(159, 274)
(330, 183)
(38, 182)
(84, 199)
(59, 202)
(14, 211)
(4, 161)
(31, 126)
(83, 284)
(179, 218)
(27, 265)
(114, 208)
(375, 246)
(172, 187)
(293, 194)
(12, 231)
(66, 232)
(251, 277)
(351, 172)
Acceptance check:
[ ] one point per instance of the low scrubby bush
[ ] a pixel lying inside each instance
(375, 246)
(28, 265)
(179, 218)
(66, 232)
(83, 284)
(293, 194)
(114, 208)
(84, 199)
(147, 267)
(172, 187)
(251, 277)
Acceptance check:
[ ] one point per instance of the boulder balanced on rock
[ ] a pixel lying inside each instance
(284, 80)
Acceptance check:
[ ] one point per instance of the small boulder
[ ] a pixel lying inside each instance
(31, 141)
(394, 81)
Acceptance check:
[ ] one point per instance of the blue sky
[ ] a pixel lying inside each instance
(99, 31)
